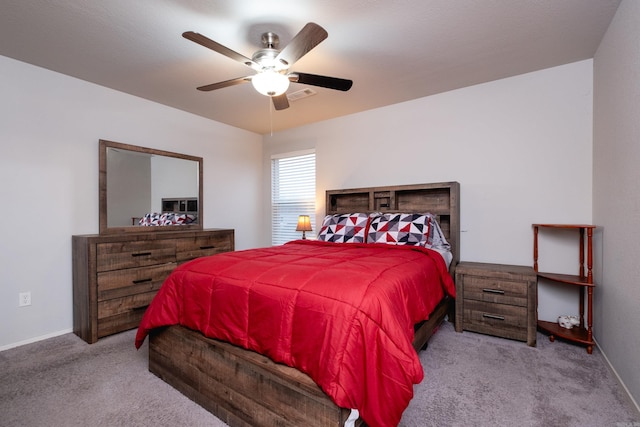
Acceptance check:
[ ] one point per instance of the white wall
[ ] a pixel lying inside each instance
(172, 178)
(616, 195)
(520, 147)
(129, 188)
(50, 125)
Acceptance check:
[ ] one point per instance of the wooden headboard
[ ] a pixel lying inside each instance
(441, 199)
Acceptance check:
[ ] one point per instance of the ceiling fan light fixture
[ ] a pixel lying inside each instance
(270, 83)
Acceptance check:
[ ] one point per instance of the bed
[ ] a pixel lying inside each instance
(356, 325)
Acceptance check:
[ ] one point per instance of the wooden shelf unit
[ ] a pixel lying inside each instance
(583, 333)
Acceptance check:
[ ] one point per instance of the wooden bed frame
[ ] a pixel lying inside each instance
(246, 389)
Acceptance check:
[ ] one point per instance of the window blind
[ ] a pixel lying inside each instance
(293, 193)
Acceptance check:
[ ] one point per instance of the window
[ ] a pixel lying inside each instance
(293, 193)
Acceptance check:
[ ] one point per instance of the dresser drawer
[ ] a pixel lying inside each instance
(199, 246)
(124, 313)
(495, 290)
(119, 255)
(116, 306)
(496, 319)
(131, 281)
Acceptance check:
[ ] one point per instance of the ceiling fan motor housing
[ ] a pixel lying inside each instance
(266, 57)
(270, 40)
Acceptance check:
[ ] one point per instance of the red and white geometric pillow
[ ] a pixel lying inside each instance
(400, 229)
(344, 228)
(167, 218)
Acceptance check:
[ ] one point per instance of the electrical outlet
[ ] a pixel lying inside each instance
(24, 299)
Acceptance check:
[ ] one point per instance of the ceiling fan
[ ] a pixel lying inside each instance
(272, 65)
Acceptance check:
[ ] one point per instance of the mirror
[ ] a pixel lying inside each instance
(141, 186)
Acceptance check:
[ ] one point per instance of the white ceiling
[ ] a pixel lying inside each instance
(394, 51)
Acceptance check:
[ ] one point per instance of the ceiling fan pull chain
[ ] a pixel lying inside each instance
(271, 115)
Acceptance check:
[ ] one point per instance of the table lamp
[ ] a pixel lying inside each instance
(304, 224)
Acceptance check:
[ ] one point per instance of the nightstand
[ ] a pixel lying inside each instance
(497, 299)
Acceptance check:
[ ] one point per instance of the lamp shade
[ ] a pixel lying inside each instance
(270, 83)
(304, 223)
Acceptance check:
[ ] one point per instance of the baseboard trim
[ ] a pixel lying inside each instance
(35, 339)
(615, 373)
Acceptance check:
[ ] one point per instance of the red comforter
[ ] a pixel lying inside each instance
(342, 313)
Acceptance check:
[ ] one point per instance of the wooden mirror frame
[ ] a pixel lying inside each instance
(102, 192)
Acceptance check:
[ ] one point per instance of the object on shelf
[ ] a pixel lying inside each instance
(568, 322)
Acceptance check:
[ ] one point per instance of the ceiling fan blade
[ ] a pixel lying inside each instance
(309, 37)
(225, 83)
(322, 81)
(217, 47)
(280, 102)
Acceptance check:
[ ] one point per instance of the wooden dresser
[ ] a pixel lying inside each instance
(115, 276)
(497, 299)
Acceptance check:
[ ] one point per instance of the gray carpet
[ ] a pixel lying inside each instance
(470, 380)
(478, 380)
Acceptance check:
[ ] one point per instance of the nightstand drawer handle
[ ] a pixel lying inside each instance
(493, 291)
(492, 316)
(202, 248)
(137, 282)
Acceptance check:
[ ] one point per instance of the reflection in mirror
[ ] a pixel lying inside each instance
(143, 189)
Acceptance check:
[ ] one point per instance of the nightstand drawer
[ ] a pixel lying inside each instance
(481, 313)
(495, 290)
(507, 321)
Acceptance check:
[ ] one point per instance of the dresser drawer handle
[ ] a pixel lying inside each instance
(207, 247)
(137, 282)
(142, 254)
(492, 316)
(493, 291)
